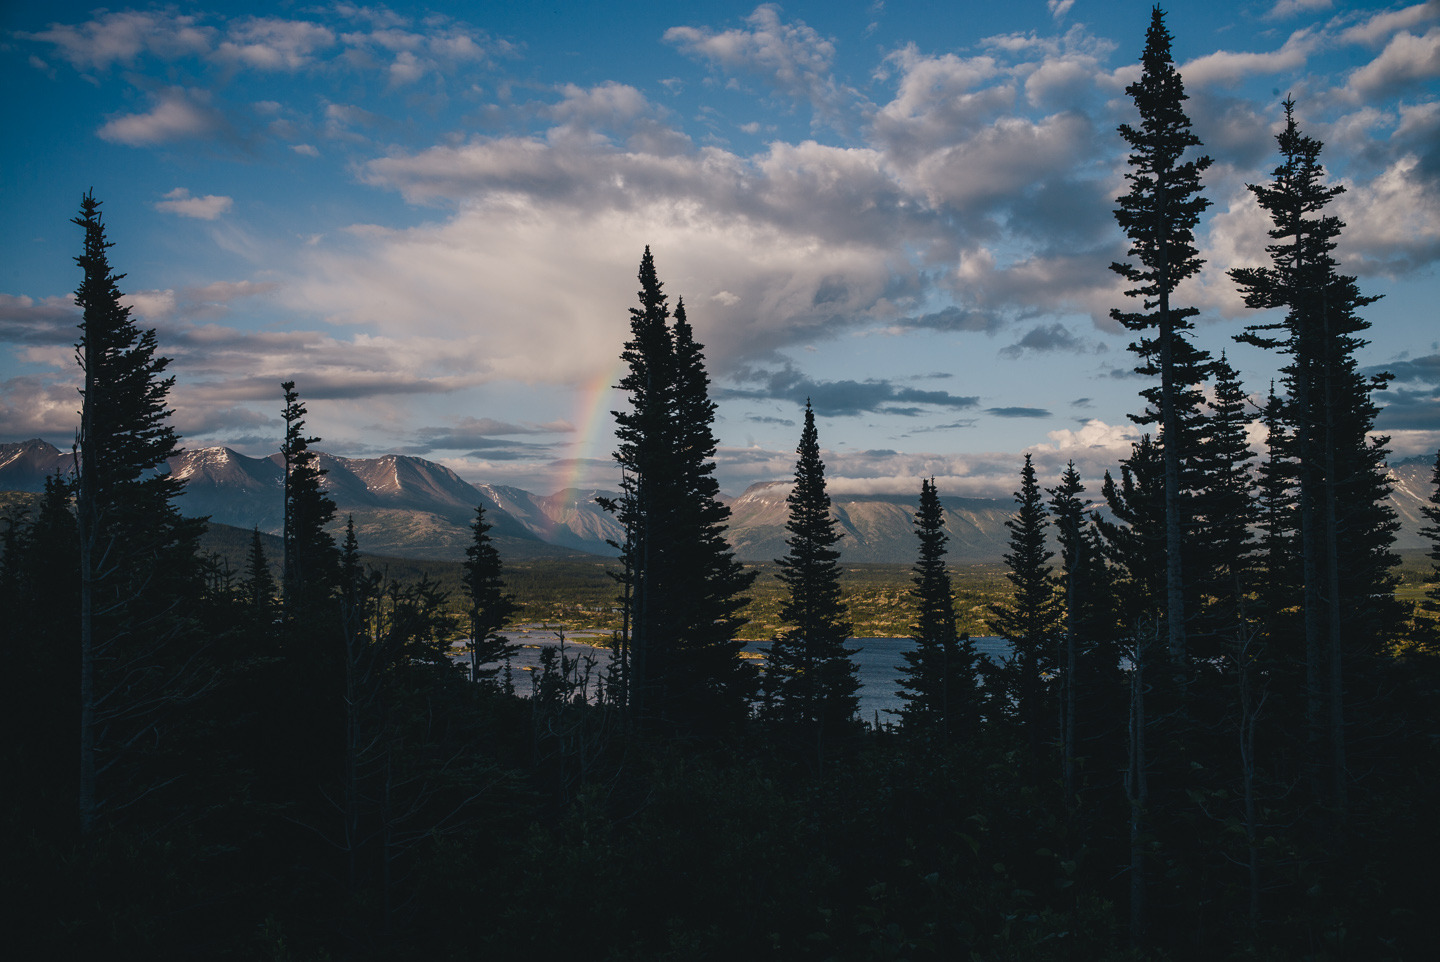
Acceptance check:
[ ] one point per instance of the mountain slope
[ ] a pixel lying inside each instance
(877, 527)
(413, 508)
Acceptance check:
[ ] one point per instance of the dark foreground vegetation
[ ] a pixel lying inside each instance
(1215, 737)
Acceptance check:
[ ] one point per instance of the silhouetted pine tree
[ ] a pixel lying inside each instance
(311, 560)
(1135, 542)
(1279, 592)
(938, 682)
(648, 478)
(310, 696)
(488, 605)
(712, 685)
(1021, 687)
(1225, 516)
(258, 585)
(678, 665)
(810, 681)
(1346, 526)
(1089, 668)
(1159, 215)
(137, 555)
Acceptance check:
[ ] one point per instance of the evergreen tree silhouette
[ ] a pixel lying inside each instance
(489, 606)
(677, 666)
(939, 678)
(1346, 526)
(811, 683)
(1020, 688)
(1159, 214)
(137, 555)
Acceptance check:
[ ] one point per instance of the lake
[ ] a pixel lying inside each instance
(878, 661)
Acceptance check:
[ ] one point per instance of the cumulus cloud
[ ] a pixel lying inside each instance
(1407, 59)
(1225, 67)
(208, 207)
(1095, 435)
(1379, 27)
(150, 305)
(36, 407)
(269, 43)
(1284, 9)
(1392, 221)
(192, 304)
(178, 114)
(120, 38)
(791, 58)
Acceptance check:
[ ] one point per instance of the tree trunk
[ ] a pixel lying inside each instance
(1138, 792)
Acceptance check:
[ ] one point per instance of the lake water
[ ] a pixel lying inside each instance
(878, 661)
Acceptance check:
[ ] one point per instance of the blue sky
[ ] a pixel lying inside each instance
(431, 219)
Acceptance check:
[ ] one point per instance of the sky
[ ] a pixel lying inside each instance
(431, 217)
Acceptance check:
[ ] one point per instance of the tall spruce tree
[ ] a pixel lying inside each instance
(679, 663)
(1135, 543)
(136, 553)
(1020, 688)
(811, 682)
(310, 696)
(258, 585)
(1225, 518)
(647, 480)
(1083, 594)
(1279, 590)
(1159, 215)
(311, 559)
(938, 682)
(1346, 526)
(713, 685)
(488, 605)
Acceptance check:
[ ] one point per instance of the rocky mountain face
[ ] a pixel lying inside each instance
(876, 527)
(412, 508)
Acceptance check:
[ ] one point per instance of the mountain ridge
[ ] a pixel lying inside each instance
(407, 507)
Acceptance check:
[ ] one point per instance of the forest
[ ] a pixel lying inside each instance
(1214, 738)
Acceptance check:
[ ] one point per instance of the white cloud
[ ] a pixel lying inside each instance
(209, 207)
(1284, 9)
(1393, 221)
(122, 37)
(1405, 59)
(151, 305)
(267, 43)
(1059, 8)
(1224, 67)
(406, 69)
(792, 58)
(543, 276)
(1095, 440)
(1380, 27)
(305, 150)
(178, 114)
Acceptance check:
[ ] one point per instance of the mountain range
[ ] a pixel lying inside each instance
(409, 507)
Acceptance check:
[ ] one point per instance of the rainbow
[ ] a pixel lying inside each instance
(594, 430)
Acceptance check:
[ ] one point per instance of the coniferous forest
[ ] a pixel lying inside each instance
(1214, 735)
